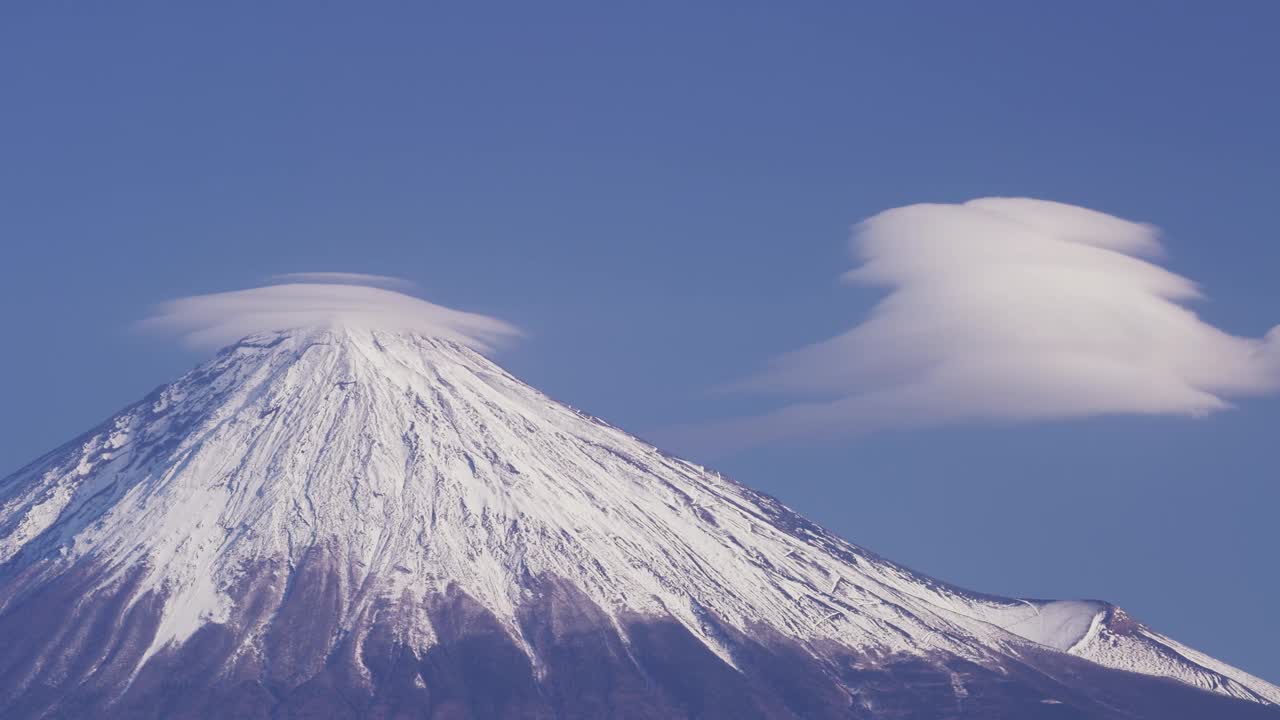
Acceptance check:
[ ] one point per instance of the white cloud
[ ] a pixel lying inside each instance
(1007, 309)
(343, 278)
(222, 318)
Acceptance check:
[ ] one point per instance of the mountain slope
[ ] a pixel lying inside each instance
(347, 522)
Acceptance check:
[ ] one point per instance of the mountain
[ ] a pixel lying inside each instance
(345, 522)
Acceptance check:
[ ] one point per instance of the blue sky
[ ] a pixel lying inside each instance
(660, 197)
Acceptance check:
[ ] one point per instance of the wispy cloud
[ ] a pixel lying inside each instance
(221, 318)
(1006, 309)
(344, 278)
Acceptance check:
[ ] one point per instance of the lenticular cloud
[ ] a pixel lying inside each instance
(221, 318)
(1009, 309)
(343, 278)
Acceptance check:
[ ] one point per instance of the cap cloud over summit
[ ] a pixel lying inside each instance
(321, 300)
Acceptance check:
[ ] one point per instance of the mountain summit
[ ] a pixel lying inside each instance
(347, 522)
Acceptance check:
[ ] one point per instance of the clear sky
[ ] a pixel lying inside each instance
(660, 197)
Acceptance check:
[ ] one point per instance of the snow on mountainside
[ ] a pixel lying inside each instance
(377, 469)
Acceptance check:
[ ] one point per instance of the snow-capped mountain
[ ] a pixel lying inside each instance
(347, 522)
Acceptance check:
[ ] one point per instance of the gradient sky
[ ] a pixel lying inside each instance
(660, 197)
